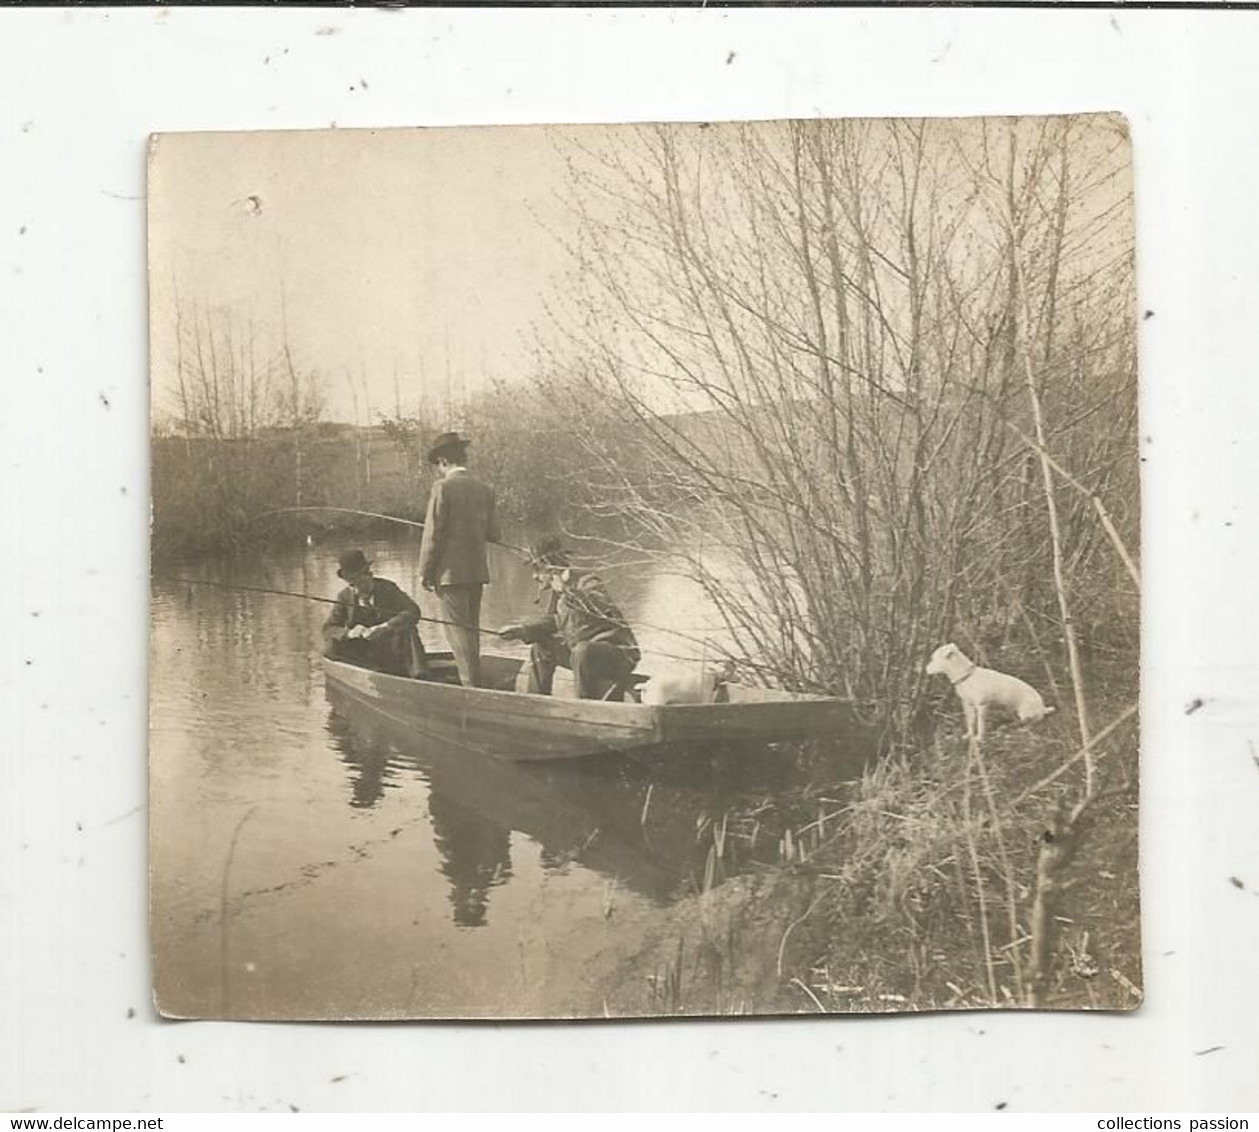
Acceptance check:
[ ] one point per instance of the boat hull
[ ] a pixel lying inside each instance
(520, 727)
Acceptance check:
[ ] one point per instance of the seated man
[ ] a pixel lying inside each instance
(373, 622)
(582, 629)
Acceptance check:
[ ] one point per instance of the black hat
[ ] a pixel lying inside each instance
(549, 550)
(352, 563)
(448, 442)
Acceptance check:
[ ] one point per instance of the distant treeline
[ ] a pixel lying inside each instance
(212, 496)
(213, 487)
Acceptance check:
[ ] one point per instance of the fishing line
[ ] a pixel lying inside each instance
(704, 643)
(304, 597)
(430, 620)
(373, 515)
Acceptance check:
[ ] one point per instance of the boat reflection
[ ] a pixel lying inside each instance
(591, 814)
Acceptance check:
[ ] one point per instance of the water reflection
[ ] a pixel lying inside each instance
(367, 836)
(475, 853)
(588, 814)
(367, 758)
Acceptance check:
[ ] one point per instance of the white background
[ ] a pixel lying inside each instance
(79, 92)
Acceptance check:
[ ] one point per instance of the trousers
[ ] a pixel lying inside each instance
(462, 607)
(599, 669)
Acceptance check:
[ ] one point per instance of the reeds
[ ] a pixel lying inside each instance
(937, 882)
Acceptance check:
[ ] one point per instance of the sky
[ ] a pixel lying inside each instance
(422, 252)
(415, 264)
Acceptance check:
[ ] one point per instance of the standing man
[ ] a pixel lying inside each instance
(453, 561)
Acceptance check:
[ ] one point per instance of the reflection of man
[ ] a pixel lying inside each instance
(373, 622)
(475, 853)
(365, 755)
(453, 559)
(583, 629)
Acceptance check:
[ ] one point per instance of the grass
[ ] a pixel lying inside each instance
(914, 886)
(926, 887)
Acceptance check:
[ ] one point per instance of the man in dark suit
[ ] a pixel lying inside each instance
(453, 559)
(373, 623)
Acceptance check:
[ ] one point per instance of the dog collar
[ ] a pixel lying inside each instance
(966, 677)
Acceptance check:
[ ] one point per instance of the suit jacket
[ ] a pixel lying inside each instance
(399, 651)
(460, 521)
(583, 612)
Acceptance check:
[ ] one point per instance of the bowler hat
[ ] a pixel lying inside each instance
(352, 563)
(446, 443)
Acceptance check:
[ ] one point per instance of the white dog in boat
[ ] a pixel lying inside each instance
(699, 685)
(979, 688)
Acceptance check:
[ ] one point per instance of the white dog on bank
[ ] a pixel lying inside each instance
(979, 688)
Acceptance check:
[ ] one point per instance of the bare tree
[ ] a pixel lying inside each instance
(819, 331)
(236, 392)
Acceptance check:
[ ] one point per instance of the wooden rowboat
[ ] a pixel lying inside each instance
(497, 720)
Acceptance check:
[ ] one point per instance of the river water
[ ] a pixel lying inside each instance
(308, 861)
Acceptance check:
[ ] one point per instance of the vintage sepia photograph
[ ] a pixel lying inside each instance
(644, 570)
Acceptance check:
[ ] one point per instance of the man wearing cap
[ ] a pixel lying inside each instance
(373, 622)
(453, 559)
(583, 629)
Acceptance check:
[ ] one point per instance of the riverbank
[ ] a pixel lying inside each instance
(920, 886)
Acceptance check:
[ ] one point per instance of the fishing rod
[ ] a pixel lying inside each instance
(372, 515)
(430, 620)
(330, 601)
(506, 545)
(305, 597)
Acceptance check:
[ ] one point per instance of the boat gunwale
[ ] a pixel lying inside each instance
(777, 697)
(551, 704)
